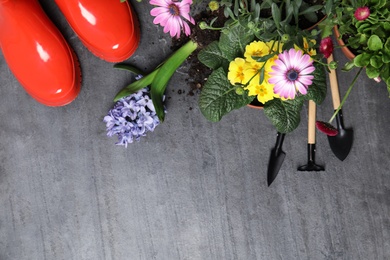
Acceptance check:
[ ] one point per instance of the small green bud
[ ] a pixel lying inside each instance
(213, 5)
(285, 38)
(239, 91)
(203, 25)
(251, 25)
(333, 65)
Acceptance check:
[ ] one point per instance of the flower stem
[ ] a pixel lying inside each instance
(346, 95)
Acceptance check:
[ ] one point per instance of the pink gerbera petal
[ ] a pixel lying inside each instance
(301, 88)
(173, 16)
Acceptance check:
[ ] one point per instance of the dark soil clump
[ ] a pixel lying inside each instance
(198, 73)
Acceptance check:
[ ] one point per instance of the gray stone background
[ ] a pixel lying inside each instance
(192, 189)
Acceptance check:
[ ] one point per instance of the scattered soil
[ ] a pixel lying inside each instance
(198, 73)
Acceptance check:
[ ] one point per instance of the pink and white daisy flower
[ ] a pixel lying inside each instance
(291, 73)
(173, 16)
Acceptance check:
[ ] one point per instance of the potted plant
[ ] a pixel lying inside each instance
(362, 28)
(263, 54)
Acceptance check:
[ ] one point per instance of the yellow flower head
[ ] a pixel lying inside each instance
(252, 71)
(264, 92)
(306, 47)
(236, 71)
(256, 48)
(213, 5)
(274, 45)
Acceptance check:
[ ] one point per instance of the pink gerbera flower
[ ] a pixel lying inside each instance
(362, 13)
(172, 15)
(291, 73)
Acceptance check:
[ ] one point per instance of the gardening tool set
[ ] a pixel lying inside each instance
(340, 144)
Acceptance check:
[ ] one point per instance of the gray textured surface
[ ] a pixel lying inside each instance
(192, 189)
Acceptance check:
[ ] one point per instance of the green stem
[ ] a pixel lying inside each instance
(345, 96)
(136, 85)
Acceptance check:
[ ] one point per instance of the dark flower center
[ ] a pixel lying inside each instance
(292, 75)
(174, 10)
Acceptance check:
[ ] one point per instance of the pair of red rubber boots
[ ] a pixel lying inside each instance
(40, 58)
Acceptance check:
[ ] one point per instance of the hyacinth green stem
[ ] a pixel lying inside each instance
(136, 85)
(157, 79)
(164, 74)
(346, 95)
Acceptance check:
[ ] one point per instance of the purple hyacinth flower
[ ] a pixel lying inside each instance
(131, 118)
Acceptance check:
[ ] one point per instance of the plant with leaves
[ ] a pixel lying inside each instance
(273, 34)
(364, 25)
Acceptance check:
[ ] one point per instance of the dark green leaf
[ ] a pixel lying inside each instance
(232, 43)
(284, 115)
(212, 57)
(276, 14)
(311, 9)
(218, 97)
(317, 90)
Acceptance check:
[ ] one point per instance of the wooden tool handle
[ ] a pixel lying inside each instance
(311, 125)
(334, 86)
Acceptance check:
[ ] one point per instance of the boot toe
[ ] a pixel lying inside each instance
(37, 53)
(109, 29)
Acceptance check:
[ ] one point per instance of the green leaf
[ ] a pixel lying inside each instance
(212, 56)
(128, 67)
(372, 72)
(386, 57)
(232, 43)
(317, 90)
(348, 66)
(284, 115)
(219, 98)
(374, 43)
(311, 9)
(376, 61)
(362, 60)
(276, 14)
(387, 46)
(164, 74)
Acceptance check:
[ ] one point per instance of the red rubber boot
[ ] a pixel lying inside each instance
(108, 28)
(37, 54)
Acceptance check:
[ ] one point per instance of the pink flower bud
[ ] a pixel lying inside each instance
(377, 79)
(326, 47)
